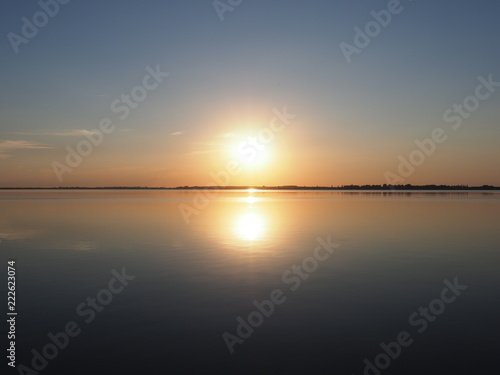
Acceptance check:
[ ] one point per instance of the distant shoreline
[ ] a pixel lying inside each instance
(285, 187)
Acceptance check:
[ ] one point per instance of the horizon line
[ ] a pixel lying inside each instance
(265, 187)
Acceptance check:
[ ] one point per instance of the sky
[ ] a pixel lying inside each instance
(262, 92)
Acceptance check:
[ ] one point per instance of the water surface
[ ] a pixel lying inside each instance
(193, 280)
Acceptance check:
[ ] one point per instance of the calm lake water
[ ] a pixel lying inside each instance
(390, 254)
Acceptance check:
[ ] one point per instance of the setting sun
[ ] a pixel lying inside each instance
(250, 153)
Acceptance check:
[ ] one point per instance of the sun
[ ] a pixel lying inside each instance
(251, 153)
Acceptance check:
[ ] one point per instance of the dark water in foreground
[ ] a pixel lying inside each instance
(389, 255)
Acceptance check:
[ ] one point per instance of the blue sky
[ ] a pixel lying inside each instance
(353, 120)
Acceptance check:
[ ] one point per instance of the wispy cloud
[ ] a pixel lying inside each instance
(6, 147)
(215, 144)
(60, 133)
(202, 152)
(210, 147)
(227, 135)
(176, 133)
(72, 133)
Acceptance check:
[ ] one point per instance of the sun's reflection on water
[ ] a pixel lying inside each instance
(250, 223)
(250, 226)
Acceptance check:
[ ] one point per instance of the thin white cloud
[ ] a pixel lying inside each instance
(227, 135)
(6, 147)
(202, 152)
(72, 133)
(176, 133)
(15, 145)
(60, 133)
(207, 143)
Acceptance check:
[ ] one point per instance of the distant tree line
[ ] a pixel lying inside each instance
(283, 187)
